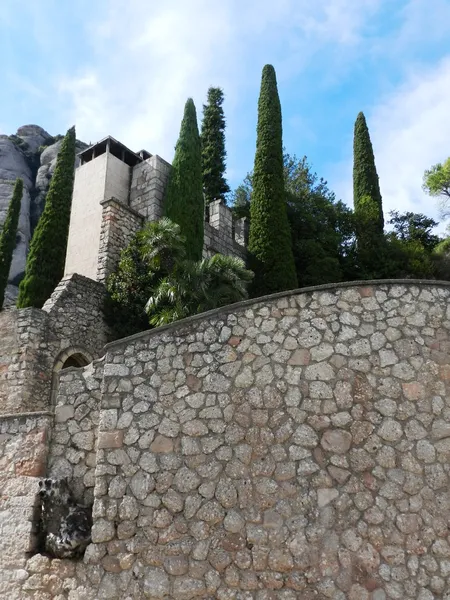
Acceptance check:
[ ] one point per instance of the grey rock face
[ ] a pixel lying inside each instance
(34, 136)
(21, 156)
(13, 164)
(44, 175)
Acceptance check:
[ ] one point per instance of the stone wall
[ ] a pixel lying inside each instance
(74, 437)
(147, 190)
(119, 224)
(220, 232)
(292, 447)
(23, 451)
(148, 184)
(8, 348)
(27, 363)
(75, 311)
(34, 339)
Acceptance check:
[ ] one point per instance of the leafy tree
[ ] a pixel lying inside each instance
(8, 236)
(45, 263)
(213, 147)
(195, 287)
(436, 182)
(184, 202)
(270, 243)
(416, 227)
(156, 284)
(240, 198)
(407, 259)
(150, 256)
(371, 251)
(441, 259)
(322, 229)
(128, 290)
(408, 250)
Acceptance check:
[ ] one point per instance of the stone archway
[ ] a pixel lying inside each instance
(74, 356)
(75, 360)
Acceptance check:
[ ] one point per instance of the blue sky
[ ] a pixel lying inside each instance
(126, 69)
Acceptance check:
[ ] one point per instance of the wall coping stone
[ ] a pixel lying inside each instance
(287, 293)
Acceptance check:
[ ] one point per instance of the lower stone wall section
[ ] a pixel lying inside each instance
(23, 453)
(74, 437)
(26, 361)
(296, 447)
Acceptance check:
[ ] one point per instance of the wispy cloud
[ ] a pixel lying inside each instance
(410, 131)
(129, 72)
(148, 60)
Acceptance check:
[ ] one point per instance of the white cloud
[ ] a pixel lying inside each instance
(148, 59)
(410, 131)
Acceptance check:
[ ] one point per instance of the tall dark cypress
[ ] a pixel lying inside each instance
(270, 243)
(365, 176)
(215, 185)
(8, 237)
(184, 203)
(46, 258)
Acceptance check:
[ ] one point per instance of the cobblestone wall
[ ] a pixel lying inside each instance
(294, 447)
(75, 312)
(26, 364)
(74, 435)
(32, 340)
(23, 451)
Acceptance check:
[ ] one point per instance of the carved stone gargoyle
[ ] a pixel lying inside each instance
(66, 525)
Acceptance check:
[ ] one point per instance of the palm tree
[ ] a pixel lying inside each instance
(162, 245)
(195, 287)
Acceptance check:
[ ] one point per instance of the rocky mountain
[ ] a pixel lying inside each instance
(30, 154)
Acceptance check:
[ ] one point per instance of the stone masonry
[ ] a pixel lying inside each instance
(74, 436)
(148, 184)
(114, 197)
(292, 447)
(34, 339)
(119, 223)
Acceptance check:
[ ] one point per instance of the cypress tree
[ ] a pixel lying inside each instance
(45, 263)
(8, 237)
(184, 203)
(365, 176)
(213, 147)
(270, 243)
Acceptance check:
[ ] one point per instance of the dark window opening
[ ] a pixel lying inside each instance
(76, 360)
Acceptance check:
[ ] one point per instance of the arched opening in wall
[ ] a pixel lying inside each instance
(75, 360)
(70, 357)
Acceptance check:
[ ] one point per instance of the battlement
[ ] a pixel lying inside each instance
(115, 192)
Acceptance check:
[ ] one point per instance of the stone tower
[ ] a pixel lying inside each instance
(115, 192)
